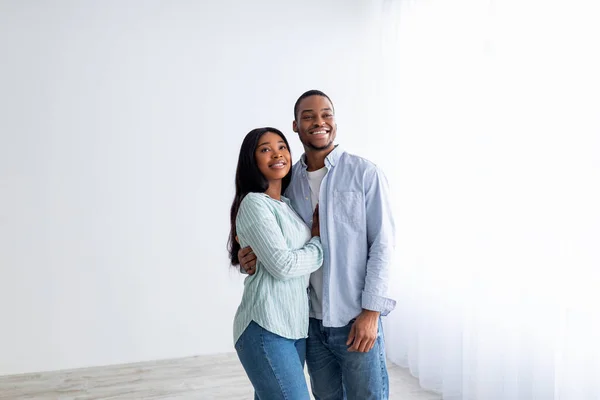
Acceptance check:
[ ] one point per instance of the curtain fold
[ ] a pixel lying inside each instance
(488, 121)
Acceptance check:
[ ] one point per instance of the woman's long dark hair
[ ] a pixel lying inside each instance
(248, 178)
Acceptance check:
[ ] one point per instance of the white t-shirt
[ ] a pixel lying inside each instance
(316, 278)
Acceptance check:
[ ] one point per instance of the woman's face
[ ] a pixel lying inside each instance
(273, 156)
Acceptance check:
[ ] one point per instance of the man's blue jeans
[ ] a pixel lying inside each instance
(274, 364)
(337, 374)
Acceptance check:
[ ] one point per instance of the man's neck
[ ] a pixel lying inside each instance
(315, 159)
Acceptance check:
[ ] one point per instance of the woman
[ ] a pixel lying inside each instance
(271, 324)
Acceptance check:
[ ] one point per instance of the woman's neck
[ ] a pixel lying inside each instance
(274, 190)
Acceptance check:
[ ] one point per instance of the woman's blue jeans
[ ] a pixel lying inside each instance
(274, 364)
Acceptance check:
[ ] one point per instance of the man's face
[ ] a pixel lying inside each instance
(315, 123)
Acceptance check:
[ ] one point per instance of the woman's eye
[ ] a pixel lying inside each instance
(283, 147)
(264, 150)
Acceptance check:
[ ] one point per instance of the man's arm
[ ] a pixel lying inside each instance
(247, 260)
(381, 242)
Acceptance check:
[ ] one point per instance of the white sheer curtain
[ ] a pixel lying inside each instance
(488, 125)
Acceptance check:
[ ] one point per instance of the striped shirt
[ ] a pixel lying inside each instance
(276, 297)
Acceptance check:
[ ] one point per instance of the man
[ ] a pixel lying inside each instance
(345, 348)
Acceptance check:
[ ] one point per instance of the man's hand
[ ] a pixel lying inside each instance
(363, 333)
(247, 260)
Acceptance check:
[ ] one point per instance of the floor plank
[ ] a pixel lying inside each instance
(213, 377)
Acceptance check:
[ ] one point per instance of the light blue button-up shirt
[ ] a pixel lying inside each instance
(357, 234)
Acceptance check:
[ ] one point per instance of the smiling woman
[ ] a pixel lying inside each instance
(274, 161)
(250, 178)
(271, 323)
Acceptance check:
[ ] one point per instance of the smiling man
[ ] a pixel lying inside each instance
(345, 351)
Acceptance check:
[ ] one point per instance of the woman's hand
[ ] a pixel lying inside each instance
(316, 231)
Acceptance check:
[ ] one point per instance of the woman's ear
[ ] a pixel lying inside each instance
(236, 239)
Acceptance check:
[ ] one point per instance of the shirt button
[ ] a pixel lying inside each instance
(307, 198)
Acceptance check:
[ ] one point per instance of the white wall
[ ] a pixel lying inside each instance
(120, 125)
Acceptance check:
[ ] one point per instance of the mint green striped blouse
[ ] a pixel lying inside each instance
(276, 297)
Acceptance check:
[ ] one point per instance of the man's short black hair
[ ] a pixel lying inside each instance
(304, 95)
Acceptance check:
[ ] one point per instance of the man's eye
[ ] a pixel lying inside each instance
(307, 117)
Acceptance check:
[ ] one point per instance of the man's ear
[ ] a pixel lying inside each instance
(294, 126)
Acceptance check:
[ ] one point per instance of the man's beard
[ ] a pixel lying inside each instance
(318, 148)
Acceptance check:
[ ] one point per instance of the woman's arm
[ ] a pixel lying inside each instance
(258, 228)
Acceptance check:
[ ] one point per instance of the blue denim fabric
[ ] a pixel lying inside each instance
(336, 373)
(274, 364)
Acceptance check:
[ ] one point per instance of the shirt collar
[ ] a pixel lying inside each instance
(331, 159)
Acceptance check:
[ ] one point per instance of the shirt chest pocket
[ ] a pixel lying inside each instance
(348, 207)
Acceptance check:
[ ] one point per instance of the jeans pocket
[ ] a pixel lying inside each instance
(240, 344)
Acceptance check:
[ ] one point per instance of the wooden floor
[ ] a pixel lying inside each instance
(205, 377)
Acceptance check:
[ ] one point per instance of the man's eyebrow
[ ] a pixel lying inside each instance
(262, 144)
(311, 110)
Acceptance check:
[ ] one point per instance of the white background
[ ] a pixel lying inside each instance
(120, 127)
